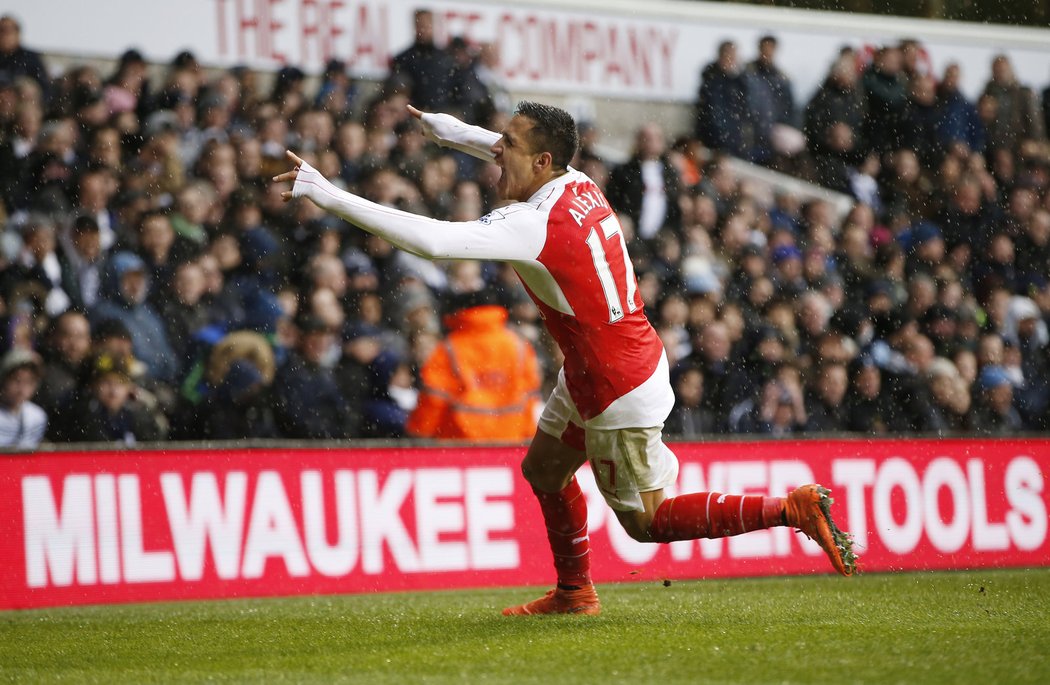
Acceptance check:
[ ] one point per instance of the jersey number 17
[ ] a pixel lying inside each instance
(610, 228)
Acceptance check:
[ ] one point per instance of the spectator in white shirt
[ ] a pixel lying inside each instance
(22, 423)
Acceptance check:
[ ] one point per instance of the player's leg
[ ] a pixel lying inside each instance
(633, 483)
(550, 465)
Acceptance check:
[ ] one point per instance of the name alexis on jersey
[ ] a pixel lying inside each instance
(584, 203)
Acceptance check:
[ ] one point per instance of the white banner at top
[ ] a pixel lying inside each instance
(611, 48)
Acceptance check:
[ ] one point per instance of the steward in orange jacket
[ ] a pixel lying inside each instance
(481, 383)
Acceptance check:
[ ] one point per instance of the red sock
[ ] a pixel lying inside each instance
(565, 514)
(714, 515)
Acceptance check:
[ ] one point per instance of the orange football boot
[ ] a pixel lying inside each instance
(583, 601)
(808, 508)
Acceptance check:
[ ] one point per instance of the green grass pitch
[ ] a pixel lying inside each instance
(985, 627)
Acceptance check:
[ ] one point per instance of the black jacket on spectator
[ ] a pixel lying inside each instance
(625, 191)
(724, 115)
(308, 403)
(83, 419)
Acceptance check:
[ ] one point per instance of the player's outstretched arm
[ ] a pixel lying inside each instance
(505, 239)
(448, 131)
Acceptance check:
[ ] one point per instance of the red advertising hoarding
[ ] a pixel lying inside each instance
(116, 526)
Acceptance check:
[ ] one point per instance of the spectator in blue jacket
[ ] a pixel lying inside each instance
(125, 289)
(957, 119)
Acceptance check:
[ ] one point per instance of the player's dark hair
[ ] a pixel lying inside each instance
(554, 131)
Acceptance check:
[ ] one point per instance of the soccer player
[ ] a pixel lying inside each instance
(613, 392)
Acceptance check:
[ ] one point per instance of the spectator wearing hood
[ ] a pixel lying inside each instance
(392, 397)
(1025, 328)
(126, 288)
(482, 382)
(994, 411)
(22, 423)
(239, 407)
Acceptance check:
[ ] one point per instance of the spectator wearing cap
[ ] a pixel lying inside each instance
(67, 345)
(482, 381)
(126, 290)
(362, 343)
(994, 412)
(308, 403)
(23, 424)
(924, 245)
(105, 408)
(788, 280)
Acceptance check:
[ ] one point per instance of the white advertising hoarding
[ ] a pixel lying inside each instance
(616, 49)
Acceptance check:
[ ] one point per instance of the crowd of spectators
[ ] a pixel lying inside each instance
(155, 287)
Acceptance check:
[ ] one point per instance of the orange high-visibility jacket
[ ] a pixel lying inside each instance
(481, 383)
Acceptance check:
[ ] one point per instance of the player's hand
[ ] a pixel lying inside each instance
(289, 176)
(428, 132)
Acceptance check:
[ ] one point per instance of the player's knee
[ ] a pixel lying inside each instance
(636, 524)
(540, 478)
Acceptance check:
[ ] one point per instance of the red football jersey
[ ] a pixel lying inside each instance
(609, 345)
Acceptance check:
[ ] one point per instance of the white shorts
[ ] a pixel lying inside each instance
(625, 461)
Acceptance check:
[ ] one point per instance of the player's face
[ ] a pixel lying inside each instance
(516, 160)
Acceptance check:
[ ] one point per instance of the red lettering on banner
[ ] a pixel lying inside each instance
(368, 37)
(100, 527)
(462, 23)
(321, 30)
(585, 51)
